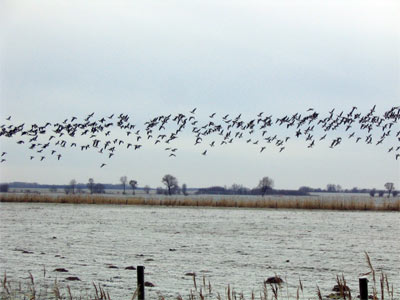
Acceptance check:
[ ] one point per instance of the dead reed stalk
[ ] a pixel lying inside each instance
(278, 202)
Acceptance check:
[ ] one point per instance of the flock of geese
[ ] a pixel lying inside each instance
(107, 134)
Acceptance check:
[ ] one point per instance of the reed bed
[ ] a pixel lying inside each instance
(278, 202)
(43, 289)
(202, 290)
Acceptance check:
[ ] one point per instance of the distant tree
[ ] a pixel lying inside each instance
(123, 180)
(184, 189)
(171, 183)
(177, 190)
(381, 193)
(331, 188)
(389, 186)
(244, 191)
(235, 188)
(372, 192)
(4, 188)
(72, 185)
(160, 191)
(214, 190)
(395, 193)
(98, 188)
(53, 189)
(266, 184)
(133, 184)
(305, 189)
(90, 185)
(238, 189)
(146, 189)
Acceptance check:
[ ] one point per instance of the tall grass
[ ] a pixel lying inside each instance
(42, 289)
(293, 202)
(202, 290)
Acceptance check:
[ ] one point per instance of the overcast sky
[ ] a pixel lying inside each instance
(144, 58)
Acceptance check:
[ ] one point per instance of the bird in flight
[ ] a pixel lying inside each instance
(102, 132)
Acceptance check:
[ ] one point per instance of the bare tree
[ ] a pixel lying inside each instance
(4, 188)
(238, 189)
(67, 189)
(90, 185)
(99, 188)
(123, 180)
(72, 185)
(146, 189)
(171, 183)
(389, 186)
(372, 192)
(160, 191)
(265, 185)
(331, 188)
(133, 184)
(184, 189)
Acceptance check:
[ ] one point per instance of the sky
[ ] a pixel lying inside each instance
(60, 59)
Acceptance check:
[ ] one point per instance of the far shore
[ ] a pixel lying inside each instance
(356, 203)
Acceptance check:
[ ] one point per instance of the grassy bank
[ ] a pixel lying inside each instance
(295, 202)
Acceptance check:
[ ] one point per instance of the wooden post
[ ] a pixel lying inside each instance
(140, 282)
(363, 282)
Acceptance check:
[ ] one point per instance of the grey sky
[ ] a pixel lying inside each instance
(144, 58)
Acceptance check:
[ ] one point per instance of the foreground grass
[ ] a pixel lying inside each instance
(294, 202)
(45, 291)
(202, 290)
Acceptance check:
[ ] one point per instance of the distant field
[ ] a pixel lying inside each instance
(330, 202)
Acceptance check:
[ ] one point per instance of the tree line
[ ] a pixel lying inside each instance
(172, 187)
(336, 188)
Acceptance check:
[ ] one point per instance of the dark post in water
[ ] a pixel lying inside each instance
(363, 281)
(140, 282)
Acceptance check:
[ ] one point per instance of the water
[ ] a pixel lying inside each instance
(240, 247)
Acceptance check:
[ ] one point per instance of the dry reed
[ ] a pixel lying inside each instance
(383, 282)
(294, 202)
(202, 290)
(34, 291)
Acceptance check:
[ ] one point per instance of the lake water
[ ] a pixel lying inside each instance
(240, 247)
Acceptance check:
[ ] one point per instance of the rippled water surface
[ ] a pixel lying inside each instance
(240, 247)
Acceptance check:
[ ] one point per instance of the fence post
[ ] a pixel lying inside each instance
(363, 282)
(140, 282)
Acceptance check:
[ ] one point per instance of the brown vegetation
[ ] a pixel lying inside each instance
(294, 202)
(201, 290)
